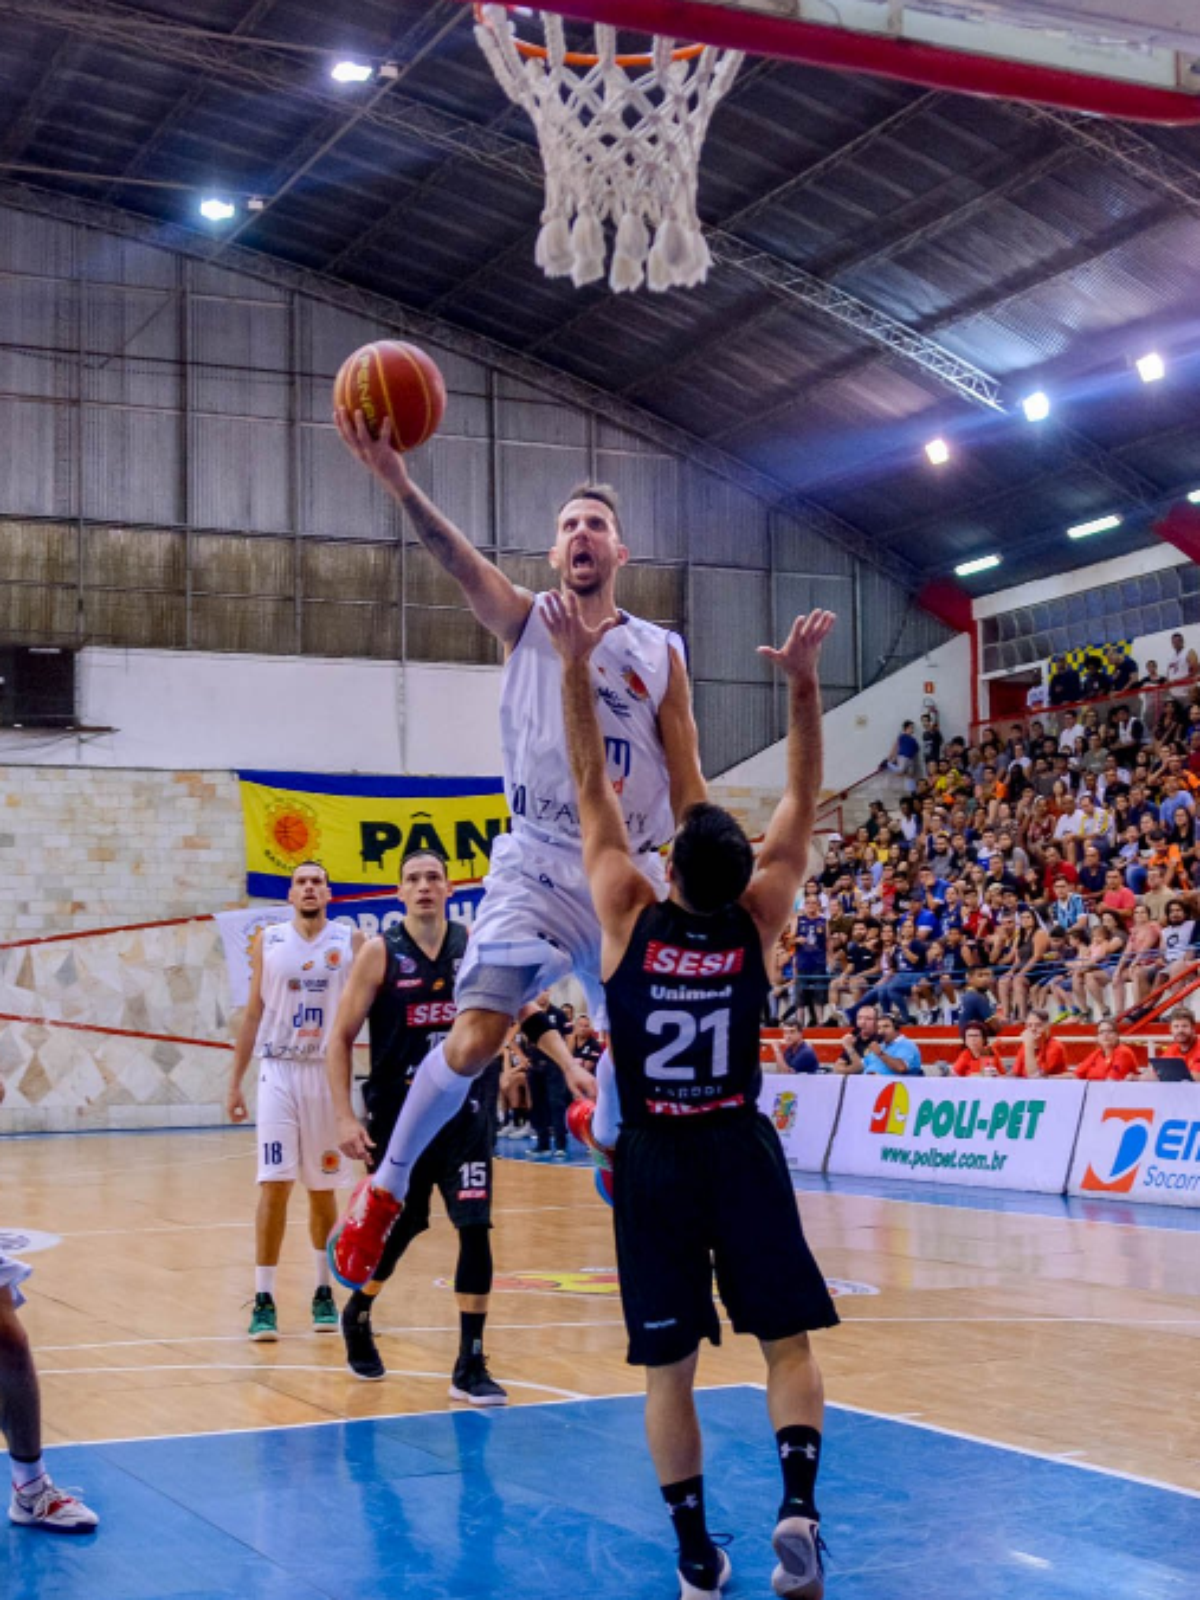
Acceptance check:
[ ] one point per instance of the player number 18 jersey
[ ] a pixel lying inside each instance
(302, 981)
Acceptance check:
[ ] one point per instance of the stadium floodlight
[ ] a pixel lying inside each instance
(1084, 530)
(1151, 367)
(216, 210)
(980, 564)
(938, 452)
(351, 72)
(1036, 406)
(1194, 497)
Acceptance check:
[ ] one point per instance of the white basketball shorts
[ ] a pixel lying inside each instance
(13, 1273)
(537, 913)
(297, 1129)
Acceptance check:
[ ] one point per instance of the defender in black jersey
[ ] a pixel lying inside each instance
(699, 1178)
(402, 985)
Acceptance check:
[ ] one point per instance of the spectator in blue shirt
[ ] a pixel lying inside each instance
(903, 758)
(793, 1055)
(892, 1054)
(1067, 909)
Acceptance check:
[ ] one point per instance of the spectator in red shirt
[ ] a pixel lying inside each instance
(1184, 1046)
(977, 1058)
(1053, 866)
(1039, 1054)
(1117, 898)
(1110, 1059)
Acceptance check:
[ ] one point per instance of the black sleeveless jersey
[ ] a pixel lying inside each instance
(684, 1010)
(414, 1006)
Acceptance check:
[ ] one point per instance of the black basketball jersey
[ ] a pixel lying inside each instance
(683, 1009)
(414, 1005)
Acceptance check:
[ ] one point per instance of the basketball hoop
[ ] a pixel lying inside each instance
(620, 137)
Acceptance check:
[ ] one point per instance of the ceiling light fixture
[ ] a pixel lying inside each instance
(938, 452)
(1194, 497)
(1036, 406)
(980, 564)
(1151, 367)
(216, 210)
(351, 72)
(1084, 530)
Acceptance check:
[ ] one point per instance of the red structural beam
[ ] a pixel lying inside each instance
(933, 66)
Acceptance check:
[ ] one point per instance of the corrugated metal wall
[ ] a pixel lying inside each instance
(171, 478)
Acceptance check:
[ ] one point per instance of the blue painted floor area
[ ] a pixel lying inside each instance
(1178, 1219)
(547, 1502)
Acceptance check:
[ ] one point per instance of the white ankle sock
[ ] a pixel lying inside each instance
(264, 1280)
(606, 1119)
(26, 1472)
(321, 1266)
(438, 1092)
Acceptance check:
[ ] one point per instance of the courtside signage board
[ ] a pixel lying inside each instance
(983, 1134)
(803, 1110)
(1140, 1141)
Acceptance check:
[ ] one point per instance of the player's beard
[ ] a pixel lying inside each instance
(310, 913)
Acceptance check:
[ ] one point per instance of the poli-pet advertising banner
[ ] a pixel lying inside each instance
(360, 829)
(993, 1134)
(1140, 1141)
(803, 1110)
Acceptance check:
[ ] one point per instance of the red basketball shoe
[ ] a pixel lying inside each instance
(579, 1121)
(357, 1242)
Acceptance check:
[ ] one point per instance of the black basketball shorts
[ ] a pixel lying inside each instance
(709, 1195)
(458, 1163)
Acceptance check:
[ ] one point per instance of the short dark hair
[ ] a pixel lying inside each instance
(711, 858)
(320, 866)
(415, 855)
(604, 492)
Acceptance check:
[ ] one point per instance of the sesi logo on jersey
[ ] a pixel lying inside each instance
(431, 1014)
(671, 960)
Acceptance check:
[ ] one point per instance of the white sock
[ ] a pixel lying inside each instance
(264, 1280)
(438, 1092)
(321, 1264)
(606, 1119)
(26, 1472)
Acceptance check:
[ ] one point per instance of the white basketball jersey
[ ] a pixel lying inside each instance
(302, 981)
(630, 669)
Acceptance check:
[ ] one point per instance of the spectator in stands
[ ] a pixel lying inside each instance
(1065, 686)
(931, 739)
(1104, 954)
(1118, 897)
(792, 1054)
(1184, 1046)
(1177, 666)
(891, 1053)
(903, 757)
(1039, 1054)
(1122, 670)
(586, 1044)
(858, 1043)
(1067, 908)
(1065, 990)
(1138, 963)
(1027, 955)
(810, 960)
(1153, 678)
(1093, 876)
(1110, 1059)
(977, 1058)
(976, 1004)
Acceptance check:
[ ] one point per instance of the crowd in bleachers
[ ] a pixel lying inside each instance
(1044, 873)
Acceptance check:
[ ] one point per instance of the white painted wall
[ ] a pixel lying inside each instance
(859, 734)
(176, 710)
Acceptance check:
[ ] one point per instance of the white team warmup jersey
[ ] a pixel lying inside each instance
(302, 981)
(537, 908)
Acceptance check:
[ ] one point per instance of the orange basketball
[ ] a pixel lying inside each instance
(391, 379)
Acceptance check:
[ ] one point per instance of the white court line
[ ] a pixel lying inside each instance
(261, 1369)
(241, 1338)
(1005, 1322)
(208, 1227)
(385, 1416)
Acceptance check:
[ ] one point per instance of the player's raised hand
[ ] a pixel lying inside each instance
(571, 635)
(802, 649)
(379, 456)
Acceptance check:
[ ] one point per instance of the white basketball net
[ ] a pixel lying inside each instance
(620, 144)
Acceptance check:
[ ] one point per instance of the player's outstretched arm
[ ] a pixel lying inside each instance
(783, 859)
(498, 604)
(680, 741)
(366, 978)
(619, 891)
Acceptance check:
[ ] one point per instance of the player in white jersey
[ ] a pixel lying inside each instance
(536, 921)
(299, 970)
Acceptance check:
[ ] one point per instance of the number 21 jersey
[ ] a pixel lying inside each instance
(684, 1010)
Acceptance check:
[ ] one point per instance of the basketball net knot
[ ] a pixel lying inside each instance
(620, 138)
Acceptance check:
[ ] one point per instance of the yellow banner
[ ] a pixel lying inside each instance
(360, 829)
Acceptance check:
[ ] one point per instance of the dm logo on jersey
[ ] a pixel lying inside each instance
(331, 1163)
(784, 1114)
(891, 1110)
(292, 833)
(1123, 1168)
(634, 684)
